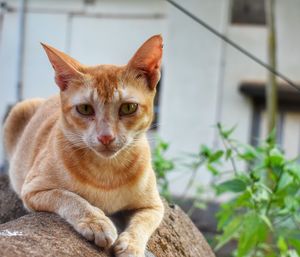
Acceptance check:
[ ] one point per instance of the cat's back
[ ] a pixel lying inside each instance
(26, 132)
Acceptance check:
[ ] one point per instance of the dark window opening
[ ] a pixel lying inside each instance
(250, 12)
(288, 116)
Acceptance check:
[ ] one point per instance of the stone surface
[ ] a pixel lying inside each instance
(11, 206)
(47, 235)
(42, 234)
(177, 236)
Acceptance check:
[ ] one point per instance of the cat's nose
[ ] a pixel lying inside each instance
(106, 139)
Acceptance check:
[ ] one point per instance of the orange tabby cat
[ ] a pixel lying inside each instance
(84, 154)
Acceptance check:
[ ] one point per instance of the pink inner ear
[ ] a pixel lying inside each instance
(63, 74)
(148, 59)
(62, 81)
(66, 68)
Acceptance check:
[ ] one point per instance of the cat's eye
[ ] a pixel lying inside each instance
(85, 109)
(128, 108)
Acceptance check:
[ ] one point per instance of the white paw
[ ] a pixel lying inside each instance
(126, 246)
(98, 228)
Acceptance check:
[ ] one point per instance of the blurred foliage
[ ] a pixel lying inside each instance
(260, 191)
(162, 166)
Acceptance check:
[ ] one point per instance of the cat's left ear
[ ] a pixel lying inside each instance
(66, 68)
(147, 60)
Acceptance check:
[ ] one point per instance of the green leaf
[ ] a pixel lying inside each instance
(205, 151)
(276, 158)
(295, 243)
(225, 133)
(266, 220)
(249, 153)
(234, 185)
(212, 169)
(291, 203)
(294, 170)
(282, 245)
(285, 181)
(254, 231)
(271, 139)
(255, 176)
(224, 215)
(215, 156)
(262, 195)
(230, 231)
(162, 166)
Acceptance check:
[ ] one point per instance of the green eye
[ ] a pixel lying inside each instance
(85, 109)
(128, 108)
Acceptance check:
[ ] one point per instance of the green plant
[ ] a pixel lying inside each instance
(162, 166)
(261, 188)
(262, 212)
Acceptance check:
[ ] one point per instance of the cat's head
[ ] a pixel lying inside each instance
(107, 108)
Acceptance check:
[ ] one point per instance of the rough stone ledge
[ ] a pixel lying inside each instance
(11, 206)
(47, 235)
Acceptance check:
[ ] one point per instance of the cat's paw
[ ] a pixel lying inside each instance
(126, 246)
(98, 228)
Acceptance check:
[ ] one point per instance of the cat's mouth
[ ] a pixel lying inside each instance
(107, 153)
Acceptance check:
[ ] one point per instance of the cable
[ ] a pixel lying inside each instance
(235, 45)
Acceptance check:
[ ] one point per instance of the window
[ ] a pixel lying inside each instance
(288, 118)
(250, 12)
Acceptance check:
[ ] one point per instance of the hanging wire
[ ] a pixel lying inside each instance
(233, 44)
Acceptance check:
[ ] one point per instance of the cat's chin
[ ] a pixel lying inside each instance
(107, 154)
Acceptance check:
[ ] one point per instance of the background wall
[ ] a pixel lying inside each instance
(201, 74)
(98, 33)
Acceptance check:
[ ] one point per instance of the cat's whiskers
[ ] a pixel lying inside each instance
(133, 143)
(73, 144)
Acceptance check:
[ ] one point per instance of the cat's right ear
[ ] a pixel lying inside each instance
(66, 68)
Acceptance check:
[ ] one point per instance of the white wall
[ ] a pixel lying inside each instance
(189, 97)
(8, 66)
(105, 32)
(201, 73)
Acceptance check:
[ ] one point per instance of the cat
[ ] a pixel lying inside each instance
(83, 154)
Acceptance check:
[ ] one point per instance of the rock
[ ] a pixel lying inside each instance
(47, 235)
(42, 234)
(11, 206)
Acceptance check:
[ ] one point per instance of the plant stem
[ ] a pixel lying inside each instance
(230, 158)
(274, 192)
(189, 184)
(271, 91)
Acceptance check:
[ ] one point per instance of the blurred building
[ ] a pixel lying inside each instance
(204, 80)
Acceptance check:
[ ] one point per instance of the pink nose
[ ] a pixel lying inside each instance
(106, 139)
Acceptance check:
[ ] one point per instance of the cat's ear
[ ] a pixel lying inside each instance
(147, 60)
(66, 68)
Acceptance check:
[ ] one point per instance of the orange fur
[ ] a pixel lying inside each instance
(57, 164)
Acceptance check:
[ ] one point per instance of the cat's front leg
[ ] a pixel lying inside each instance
(86, 219)
(133, 241)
